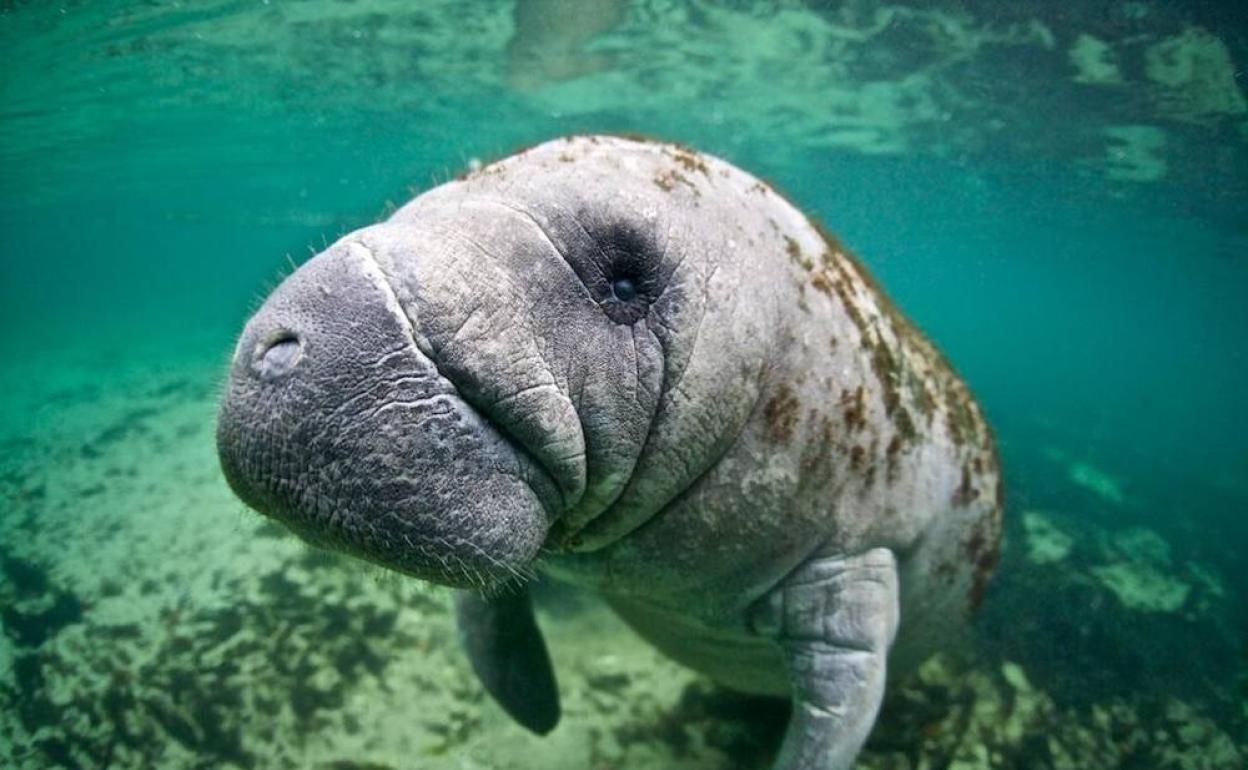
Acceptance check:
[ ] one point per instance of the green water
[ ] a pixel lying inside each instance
(1056, 193)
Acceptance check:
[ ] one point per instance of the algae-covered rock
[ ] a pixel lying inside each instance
(1046, 542)
(1094, 61)
(1195, 76)
(956, 714)
(1128, 152)
(1133, 154)
(1140, 573)
(1142, 586)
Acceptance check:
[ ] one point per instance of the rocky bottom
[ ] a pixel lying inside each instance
(150, 621)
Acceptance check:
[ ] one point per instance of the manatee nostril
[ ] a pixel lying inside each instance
(277, 356)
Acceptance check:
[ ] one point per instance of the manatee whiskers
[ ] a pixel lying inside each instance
(491, 582)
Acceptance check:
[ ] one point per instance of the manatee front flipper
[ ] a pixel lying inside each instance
(834, 618)
(506, 649)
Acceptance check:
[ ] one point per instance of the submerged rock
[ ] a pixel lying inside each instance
(1092, 478)
(1135, 565)
(1195, 76)
(975, 717)
(1143, 587)
(1046, 543)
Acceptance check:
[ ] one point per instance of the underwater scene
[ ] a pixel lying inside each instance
(1055, 193)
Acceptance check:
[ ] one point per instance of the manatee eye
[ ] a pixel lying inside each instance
(623, 289)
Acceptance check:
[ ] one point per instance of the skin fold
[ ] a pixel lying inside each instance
(639, 369)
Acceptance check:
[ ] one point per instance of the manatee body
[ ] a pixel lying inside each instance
(638, 369)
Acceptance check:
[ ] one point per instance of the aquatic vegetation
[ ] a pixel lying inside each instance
(1195, 75)
(1135, 153)
(993, 718)
(1094, 60)
(1045, 541)
(1098, 481)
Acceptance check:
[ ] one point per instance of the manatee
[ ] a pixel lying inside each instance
(635, 368)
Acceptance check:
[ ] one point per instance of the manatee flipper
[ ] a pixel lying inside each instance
(506, 649)
(834, 618)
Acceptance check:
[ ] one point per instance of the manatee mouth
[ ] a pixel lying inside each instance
(426, 486)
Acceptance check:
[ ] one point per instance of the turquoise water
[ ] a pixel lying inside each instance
(1057, 195)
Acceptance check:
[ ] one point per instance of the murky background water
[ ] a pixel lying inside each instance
(1057, 193)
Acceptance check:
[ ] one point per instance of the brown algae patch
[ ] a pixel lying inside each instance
(780, 413)
(690, 160)
(667, 181)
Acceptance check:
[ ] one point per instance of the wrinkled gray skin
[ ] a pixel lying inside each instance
(638, 369)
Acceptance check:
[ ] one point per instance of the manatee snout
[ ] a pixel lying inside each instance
(337, 425)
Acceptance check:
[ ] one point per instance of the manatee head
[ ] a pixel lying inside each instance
(543, 355)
